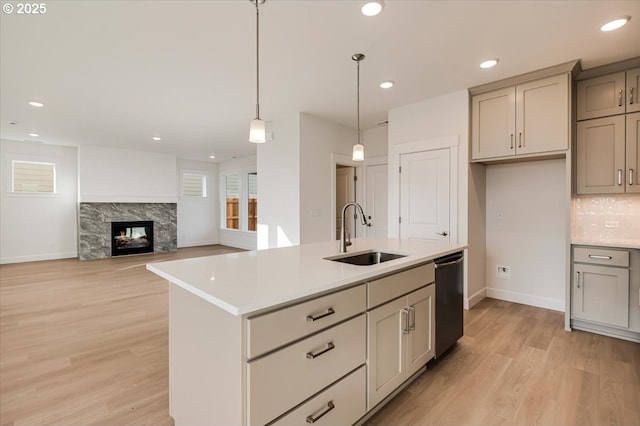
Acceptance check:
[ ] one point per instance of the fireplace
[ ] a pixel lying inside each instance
(131, 237)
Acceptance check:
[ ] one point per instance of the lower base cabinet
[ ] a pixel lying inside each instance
(605, 291)
(401, 341)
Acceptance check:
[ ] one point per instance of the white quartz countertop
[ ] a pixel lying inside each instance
(628, 244)
(248, 282)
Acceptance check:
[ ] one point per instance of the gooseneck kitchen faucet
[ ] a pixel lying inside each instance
(343, 237)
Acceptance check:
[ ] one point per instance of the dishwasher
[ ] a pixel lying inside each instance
(449, 322)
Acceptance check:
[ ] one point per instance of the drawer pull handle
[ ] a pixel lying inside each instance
(619, 177)
(520, 141)
(631, 96)
(511, 140)
(311, 318)
(630, 177)
(330, 406)
(311, 355)
(597, 256)
(405, 321)
(412, 318)
(578, 279)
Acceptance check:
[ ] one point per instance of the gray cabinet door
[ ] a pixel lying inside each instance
(601, 294)
(633, 152)
(601, 96)
(542, 115)
(493, 124)
(633, 85)
(601, 156)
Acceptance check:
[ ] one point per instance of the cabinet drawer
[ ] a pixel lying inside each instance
(342, 404)
(601, 256)
(392, 286)
(274, 329)
(285, 378)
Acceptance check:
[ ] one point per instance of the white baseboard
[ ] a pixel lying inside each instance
(197, 243)
(38, 257)
(470, 302)
(526, 299)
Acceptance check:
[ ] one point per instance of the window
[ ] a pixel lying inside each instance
(194, 185)
(239, 201)
(232, 194)
(33, 177)
(252, 201)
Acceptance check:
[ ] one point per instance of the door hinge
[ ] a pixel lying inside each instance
(399, 169)
(355, 178)
(399, 219)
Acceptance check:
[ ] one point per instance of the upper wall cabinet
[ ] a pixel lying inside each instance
(525, 119)
(609, 94)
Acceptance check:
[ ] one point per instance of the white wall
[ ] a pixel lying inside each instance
(526, 213)
(199, 218)
(40, 227)
(279, 185)
(375, 142)
(320, 139)
(232, 237)
(119, 175)
(431, 120)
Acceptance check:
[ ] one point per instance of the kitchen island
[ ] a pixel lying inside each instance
(284, 336)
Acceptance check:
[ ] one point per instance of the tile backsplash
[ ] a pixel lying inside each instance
(606, 219)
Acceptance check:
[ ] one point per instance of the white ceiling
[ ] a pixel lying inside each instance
(117, 73)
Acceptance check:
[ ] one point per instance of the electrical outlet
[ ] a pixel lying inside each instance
(611, 224)
(503, 271)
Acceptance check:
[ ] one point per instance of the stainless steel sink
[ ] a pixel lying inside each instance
(371, 257)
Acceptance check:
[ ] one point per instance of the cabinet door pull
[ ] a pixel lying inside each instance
(620, 97)
(511, 140)
(330, 346)
(631, 96)
(578, 279)
(520, 140)
(598, 256)
(311, 419)
(311, 318)
(630, 177)
(412, 318)
(619, 177)
(405, 321)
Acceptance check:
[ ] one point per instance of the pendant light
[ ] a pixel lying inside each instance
(358, 148)
(257, 133)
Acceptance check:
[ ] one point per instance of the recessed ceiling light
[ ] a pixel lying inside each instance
(489, 63)
(156, 138)
(387, 84)
(34, 135)
(615, 24)
(36, 104)
(372, 8)
(212, 156)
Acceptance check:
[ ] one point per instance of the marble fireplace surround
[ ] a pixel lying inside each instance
(94, 226)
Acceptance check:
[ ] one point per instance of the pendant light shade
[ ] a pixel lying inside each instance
(257, 132)
(358, 148)
(358, 152)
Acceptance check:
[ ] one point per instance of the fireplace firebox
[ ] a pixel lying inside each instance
(131, 237)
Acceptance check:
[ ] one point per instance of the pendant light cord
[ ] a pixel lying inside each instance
(358, 99)
(257, 60)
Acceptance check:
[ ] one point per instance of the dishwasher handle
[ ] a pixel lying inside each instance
(453, 262)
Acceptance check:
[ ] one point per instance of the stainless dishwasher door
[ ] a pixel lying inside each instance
(449, 305)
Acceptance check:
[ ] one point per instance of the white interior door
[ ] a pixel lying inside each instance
(345, 192)
(376, 208)
(424, 195)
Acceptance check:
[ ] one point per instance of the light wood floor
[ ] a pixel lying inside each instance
(86, 343)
